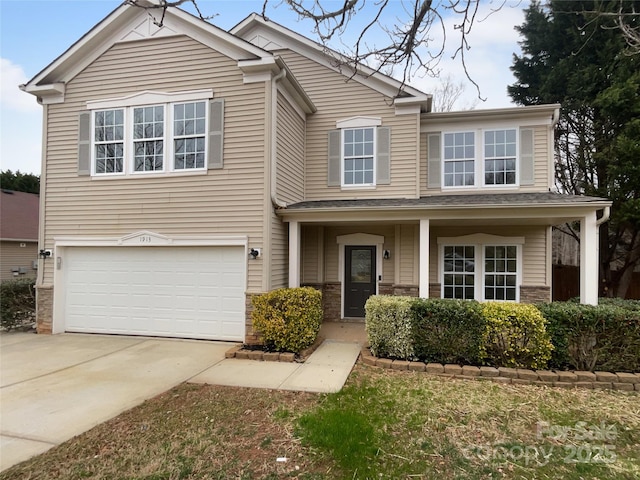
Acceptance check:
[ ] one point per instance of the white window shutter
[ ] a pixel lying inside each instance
(334, 159)
(527, 170)
(434, 160)
(216, 131)
(383, 156)
(84, 143)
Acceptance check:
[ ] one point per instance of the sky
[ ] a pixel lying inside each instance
(33, 33)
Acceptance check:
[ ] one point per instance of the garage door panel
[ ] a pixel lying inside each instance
(193, 292)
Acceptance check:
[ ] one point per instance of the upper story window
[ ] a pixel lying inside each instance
(358, 156)
(459, 159)
(142, 134)
(491, 157)
(500, 157)
(359, 153)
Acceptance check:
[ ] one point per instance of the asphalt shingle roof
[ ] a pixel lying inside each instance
(19, 215)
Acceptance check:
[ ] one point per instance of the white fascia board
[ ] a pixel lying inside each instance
(522, 116)
(255, 24)
(124, 19)
(48, 94)
(555, 213)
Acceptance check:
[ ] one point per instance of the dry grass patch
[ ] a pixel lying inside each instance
(384, 424)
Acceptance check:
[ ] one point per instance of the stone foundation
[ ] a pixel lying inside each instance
(435, 290)
(533, 294)
(251, 337)
(332, 301)
(406, 290)
(44, 308)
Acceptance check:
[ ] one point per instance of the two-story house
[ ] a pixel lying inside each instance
(186, 169)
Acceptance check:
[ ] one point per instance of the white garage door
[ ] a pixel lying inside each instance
(189, 292)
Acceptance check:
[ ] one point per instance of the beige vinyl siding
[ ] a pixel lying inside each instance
(279, 268)
(12, 255)
(336, 100)
(290, 136)
(309, 254)
(541, 168)
(220, 202)
(406, 250)
(534, 250)
(424, 167)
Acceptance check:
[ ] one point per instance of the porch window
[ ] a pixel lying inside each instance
(480, 272)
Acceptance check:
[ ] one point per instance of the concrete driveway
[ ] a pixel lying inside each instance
(53, 387)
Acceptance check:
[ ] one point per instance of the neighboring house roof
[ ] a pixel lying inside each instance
(19, 216)
(440, 202)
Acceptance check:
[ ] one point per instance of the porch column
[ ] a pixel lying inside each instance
(424, 258)
(589, 260)
(294, 254)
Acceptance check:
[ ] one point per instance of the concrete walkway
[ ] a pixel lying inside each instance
(53, 387)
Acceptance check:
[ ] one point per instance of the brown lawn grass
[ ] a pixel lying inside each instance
(384, 424)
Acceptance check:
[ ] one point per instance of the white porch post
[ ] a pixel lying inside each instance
(294, 254)
(424, 258)
(589, 259)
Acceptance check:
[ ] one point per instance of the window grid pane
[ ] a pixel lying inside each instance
(500, 157)
(459, 156)
(500, 272)
(108, 137)
(459, 272)
(148, 134)
(189, 129)
(358, 156)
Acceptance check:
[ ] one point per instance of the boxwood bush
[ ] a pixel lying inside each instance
(388, 325)
(447, 331)
(515, 336)
(289, 319)
(586, 337)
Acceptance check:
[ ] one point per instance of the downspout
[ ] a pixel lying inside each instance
(277, 204)
(605, 216)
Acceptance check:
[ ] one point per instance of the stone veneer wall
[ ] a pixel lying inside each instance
(535, 294)
(251, 337)
(434, 290)
(44, 309)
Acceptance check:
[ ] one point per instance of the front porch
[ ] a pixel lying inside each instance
(440, 247)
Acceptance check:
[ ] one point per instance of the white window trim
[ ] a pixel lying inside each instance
(479, 241)
(359, 186)
(359, 122)
(149, 97)
(479, 159)
(168, 164)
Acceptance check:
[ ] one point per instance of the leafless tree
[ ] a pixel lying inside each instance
(448, 94)
(403, 42)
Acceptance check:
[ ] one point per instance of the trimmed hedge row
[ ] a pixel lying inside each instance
(561, 335)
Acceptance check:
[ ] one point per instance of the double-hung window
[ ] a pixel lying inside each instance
(480, 267)
(459, 159)
(358, 157)
(500, 157)
(148, 138)
(108, 136)
(151, 132)
(487, 157)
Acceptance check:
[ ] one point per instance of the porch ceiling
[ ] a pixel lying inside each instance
(543, 208)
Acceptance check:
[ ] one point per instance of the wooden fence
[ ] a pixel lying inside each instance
(566, 283)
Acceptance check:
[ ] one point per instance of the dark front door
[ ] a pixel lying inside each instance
(359, 279)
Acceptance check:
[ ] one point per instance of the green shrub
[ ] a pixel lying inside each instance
(289, 319)
(587, 337)
(515, 336)
(17, 303)
(447, 331)
(388, 325)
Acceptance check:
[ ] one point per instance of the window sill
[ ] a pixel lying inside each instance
(139, 175)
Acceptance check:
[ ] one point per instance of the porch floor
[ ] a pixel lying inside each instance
(344, 332)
